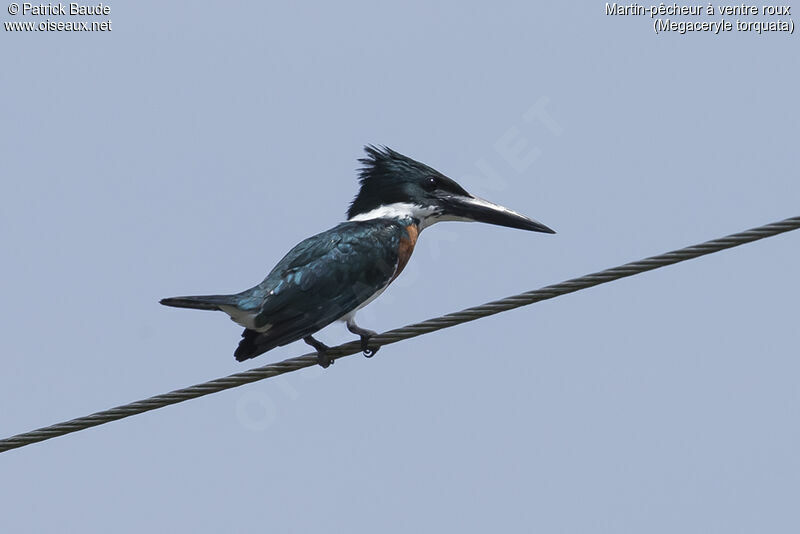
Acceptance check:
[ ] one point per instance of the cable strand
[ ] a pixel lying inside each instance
(400, 334)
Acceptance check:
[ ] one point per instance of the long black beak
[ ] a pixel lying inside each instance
(476, 209)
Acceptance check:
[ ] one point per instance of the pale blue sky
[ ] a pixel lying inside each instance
(188, 149)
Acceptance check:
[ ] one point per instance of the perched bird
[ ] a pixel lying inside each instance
(332, 275)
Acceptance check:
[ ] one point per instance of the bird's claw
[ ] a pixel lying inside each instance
(368, 352)
(365, 336)
(323, 358)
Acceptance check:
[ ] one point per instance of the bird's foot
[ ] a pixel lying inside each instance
(323, 359)
(368, 352)
(365, 337)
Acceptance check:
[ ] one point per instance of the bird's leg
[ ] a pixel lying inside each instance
(365, 335)
(322, 351)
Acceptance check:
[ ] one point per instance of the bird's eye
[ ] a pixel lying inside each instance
(431, 183)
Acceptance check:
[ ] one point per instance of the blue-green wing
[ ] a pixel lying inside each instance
(319, 281)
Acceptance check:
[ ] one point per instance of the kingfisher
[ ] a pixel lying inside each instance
(332, 275)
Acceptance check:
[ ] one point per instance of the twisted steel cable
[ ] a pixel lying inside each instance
(399, 334)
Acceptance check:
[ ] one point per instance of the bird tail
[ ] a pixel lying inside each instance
(201, 302)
